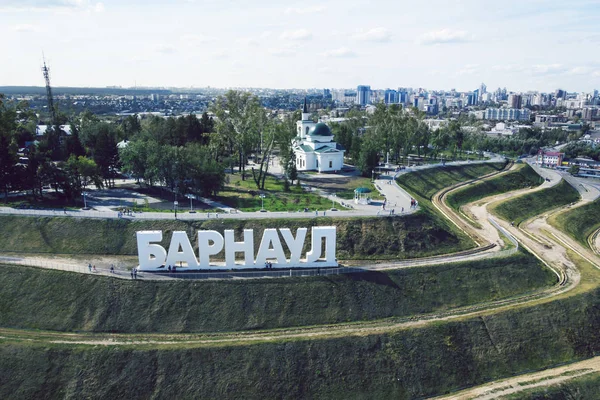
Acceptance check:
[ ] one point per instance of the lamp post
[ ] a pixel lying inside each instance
(84, 200)
(373, 175)
(262, 202)
(190, 196)
(175, 203)
(333, 201)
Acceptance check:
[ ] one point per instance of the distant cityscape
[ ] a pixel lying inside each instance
(501, 104)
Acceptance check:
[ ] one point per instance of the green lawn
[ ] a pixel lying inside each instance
(529, 205)
(522, 178)
(243, 195)
(580, 222)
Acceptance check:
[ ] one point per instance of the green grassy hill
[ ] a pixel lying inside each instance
(426, 183)
(416, 235)
(522, 178)
(55, 300)
(580, 222)
(402, 364)
(526, 206)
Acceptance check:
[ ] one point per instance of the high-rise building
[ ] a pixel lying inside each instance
(363, 95)
(391, 97)
(514, 101)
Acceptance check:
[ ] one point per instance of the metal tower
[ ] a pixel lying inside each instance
(51, 108)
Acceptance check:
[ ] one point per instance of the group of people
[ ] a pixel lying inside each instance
(268, 265)
(133, 273)
(92, 268)
(127, 211)
(413, 203)
(172, 269)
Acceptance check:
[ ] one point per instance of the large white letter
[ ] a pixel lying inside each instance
(180, 239)
(246, 247)
(319, 232)
(295, 245)
(151, 256)
(205, 249)
(270, 237)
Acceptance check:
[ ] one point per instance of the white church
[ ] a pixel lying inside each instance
(314, 147)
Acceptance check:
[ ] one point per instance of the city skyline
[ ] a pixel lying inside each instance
(544, 46)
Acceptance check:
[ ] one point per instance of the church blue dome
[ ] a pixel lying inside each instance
(320, 129)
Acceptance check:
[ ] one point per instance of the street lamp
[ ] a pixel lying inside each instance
(175, 203)
(190, 196)
(373, 175)
(84, 201)
(262, 202)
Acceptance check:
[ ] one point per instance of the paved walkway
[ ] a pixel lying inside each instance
(396, 199)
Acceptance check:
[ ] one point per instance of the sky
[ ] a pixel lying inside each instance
(436, 44)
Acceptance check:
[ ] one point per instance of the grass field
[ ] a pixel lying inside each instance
(580, 222)
(522, 178)
(528, 205)
(243, 195)
(54, 300)
(412, 236)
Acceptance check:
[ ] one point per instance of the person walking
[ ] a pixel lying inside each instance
(94, 268)
(131, 273)
(90, 267)
(135, 273)
(112, 269)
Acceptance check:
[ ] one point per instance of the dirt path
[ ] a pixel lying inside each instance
(520, 383)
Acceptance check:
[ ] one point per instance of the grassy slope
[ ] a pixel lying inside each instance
(522, 178)
(426, 183)
(579, 222)
(55, 300)
(581, 388)
(412, 236)
(526, 206)
(402, 364)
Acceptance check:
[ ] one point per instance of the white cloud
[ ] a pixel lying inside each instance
(579, 70)
(300, 34)
(248, 41)
(375, 35)
(220, 55)
(24, 28)
(304, 10)
(547, 69)
(165, 49)
(342, 52)
(196, 39)
(281, 52)
(99, 7)
(468, 69)
(446, 36)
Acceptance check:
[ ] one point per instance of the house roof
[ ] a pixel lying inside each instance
(320, 129)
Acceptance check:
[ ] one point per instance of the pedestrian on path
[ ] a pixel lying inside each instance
(131, 273)
(90, 267)
(135, 273)
(112, 269)
(94, 268)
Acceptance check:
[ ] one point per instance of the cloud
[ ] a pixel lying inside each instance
(300, 34)
(548, 69)
(196, 39)
(248, 41)
(56, 6)
(468, 69)
(374, 35)
(445, 36)
(220, 55)
(304, 10)
(24, 28)
(579, 70)
(342, 52)
(165, 49)
(281, 52)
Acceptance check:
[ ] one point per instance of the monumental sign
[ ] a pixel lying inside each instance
(154, 257)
